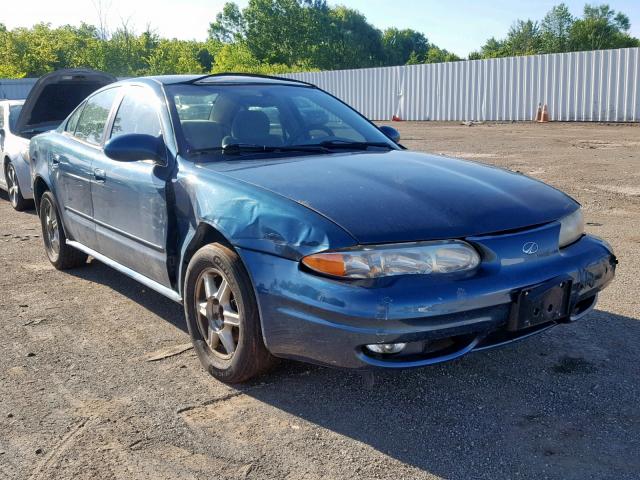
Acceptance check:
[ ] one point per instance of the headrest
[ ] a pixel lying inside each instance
(250, 126)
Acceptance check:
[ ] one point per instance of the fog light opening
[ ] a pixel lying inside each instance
(386, 348)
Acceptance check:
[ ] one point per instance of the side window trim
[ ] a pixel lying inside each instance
(106, 135)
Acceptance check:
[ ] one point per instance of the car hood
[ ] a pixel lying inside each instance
(55, 95)
(403, 196)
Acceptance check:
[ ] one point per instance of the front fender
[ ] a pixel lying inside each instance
(249, 217)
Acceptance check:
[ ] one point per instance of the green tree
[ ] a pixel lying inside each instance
(524, 38)
(494, 48)
(300, 32)
(555, 28)
(353, 42)
(279, 31)
(400, 46)
(601, 27)
(175, 56)
(229, 26)
(440, 55)
(237, 57)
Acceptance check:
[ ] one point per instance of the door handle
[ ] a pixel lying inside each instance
(99, 174)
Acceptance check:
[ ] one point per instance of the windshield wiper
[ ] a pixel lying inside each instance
(322, 147)
(247, 147)
(237, 148)
(344, 144)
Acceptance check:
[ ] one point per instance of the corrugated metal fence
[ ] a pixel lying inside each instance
(16, 89)
(580, 86)
(599, 86)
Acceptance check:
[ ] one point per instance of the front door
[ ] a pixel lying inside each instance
(129, 198)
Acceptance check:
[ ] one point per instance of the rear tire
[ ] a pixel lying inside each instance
(61, 255)
(16, 199)
(222, 316)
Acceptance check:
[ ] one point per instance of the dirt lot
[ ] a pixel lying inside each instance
(80, 398)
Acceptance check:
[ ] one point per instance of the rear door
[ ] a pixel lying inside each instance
(70, 163)
(129, 198)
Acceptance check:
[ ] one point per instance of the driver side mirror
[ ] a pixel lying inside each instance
(133, 147)
(391, 132)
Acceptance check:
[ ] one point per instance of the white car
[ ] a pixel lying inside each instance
(15, 174)
(52, 98)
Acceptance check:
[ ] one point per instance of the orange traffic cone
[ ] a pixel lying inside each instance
(539, 113)
(396, 118)
(544, 117)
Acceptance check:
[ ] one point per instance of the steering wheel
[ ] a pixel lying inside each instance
(305, 134)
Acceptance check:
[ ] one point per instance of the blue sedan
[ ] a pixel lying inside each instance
(290, 226)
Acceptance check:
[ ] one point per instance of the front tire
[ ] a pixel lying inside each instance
(222, 316)
(61, 255)
(16, 199)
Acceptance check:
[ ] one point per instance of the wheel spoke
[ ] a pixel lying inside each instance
(231, 318)
(217, 317)
(209, 285)
(226, 337)
(213, 337)
(202, 309)
(223, 293)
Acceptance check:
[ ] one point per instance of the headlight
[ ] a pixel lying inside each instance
(571, 228)
(428, 258)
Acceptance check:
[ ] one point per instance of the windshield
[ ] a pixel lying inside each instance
(253, 118)
(14, 113)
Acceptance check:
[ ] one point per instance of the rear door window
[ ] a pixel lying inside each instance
(94, 117)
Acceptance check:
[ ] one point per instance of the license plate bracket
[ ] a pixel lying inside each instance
(541, 303)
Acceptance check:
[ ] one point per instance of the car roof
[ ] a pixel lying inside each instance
(222, 79)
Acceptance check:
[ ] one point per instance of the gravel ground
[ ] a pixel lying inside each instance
(82, 397)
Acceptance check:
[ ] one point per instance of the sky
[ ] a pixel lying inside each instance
(460, 26)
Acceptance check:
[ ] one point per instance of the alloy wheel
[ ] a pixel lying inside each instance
(218, 315)
(12, 185)
(51, 227)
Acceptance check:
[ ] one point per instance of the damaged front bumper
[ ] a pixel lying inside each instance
(325, 321)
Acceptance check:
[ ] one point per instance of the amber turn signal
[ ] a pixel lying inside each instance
(327, 263)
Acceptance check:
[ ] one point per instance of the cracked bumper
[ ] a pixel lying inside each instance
(310, 318)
